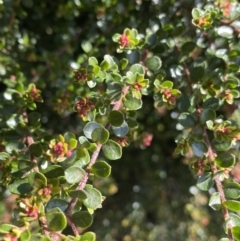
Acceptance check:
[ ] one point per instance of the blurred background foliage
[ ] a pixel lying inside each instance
(151, 194)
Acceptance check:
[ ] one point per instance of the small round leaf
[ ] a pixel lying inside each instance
(225, 160)
(112, 150)
(82, 219)
(94, 197)
(101, 169)
(56, 220)
(116, 118)
(74, 174)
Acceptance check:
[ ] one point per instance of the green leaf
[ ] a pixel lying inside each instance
(25, 165)
(225, 160)
(234, 221)
(82, 219)
(232, 205)
(154, 63)
(74, 174)
(188, 47)
(212, 103)
(37, 179)
(167, 84)
(199, 148)
(83, 156)
(232, 190)
(92, 61)
(187, 120)
(88, 236)
(53, 171)
(137, 68)
(25, 235)
(205, 181)
(100, 135)
(20, 186)
(215, 201)
(34, 119)
(36, 149)
(123, 63)
(121, 130)
(84, 142)
(14, 147)
(196, 74)
(94, 197)
(116, 118)
(72, 143)
(206, 115)
(221, 146)
(112, 150)
(101, 169)
(89, 128)
(86, 46)
(236, 232)
(225, 31)
(104, 65)
(68, 136)
(80, 194)
(196, 13)
(6, 228)
(132, 103)
(4, 156)
(57, 203)
(56, 220)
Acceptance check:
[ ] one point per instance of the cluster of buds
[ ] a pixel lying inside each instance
(226, 132)
(226, 8)
(124, 41)
(81, 76)
(84, 106)
(30, 209)
(146, 139)
(169, 97)
(59, 149)
(122, 141)
(204, 21)
(199, 166)
(10, 237)
(33, 94)
(45, 192)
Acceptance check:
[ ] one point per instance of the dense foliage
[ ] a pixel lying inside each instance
(119, 120)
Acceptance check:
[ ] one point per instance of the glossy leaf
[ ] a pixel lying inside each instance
(20, 186)
(232, 205)
(122, 130)
(80, 194)
(36, 149)
(25, 235)
(74, 174)
(215, 201)
(205, 181)
(225, 160)
(187, 120)
(112, 150)
(132, 103)
(14, 146)
(100, 135)
(232, 190)
(54, 171)
(154, 63)
(82, 219)
(89, 127)
(83, 156)
(56, 220)
(206, 115)
(236, 232)
(88, 236)
(94, 197)
(101, 169)
(199, 148)
(116, 118)
(57, 203)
